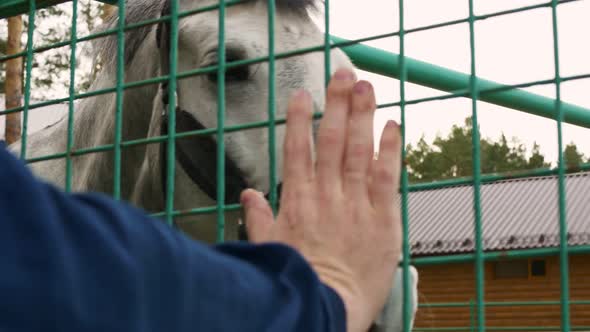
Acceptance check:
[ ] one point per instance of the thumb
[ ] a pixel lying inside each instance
(258, 215)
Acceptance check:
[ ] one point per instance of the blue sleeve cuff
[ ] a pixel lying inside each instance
(334, 308)
(86, 262)
(312, 302)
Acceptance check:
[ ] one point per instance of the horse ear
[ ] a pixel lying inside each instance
(163, 38)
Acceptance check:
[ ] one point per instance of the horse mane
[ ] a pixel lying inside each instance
(135, 11)
(140, 10)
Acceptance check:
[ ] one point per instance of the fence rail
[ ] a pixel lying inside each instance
(385, 63)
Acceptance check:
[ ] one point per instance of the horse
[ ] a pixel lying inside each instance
(144, 108)
(246, 97)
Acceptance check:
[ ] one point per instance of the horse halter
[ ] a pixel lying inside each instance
(196, 154)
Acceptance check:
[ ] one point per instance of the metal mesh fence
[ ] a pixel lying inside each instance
(454, 84)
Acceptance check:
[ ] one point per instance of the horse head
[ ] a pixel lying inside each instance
(245, 97)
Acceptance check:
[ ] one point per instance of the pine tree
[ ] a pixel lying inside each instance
(451, 156)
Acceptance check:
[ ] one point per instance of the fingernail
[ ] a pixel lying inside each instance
(251, 201)
(391, 124)
(343, 74)
(301, 94)
(362, 87)
(246, 198)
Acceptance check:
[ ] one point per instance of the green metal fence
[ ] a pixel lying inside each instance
(398, 66)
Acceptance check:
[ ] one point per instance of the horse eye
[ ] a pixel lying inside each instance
(236, 74)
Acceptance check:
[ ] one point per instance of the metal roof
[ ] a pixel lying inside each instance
(520, 213)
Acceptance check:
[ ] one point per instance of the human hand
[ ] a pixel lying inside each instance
(339, 210)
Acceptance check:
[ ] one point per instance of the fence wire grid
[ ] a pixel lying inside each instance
(398, 66)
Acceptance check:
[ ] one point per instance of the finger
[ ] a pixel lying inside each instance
(258, 215)
(385, 171)
(331, 136)
(297, 161)
(359, 145)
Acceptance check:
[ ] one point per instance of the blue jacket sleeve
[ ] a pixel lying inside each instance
(83, 262)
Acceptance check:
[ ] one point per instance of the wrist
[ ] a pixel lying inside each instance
(357, 308)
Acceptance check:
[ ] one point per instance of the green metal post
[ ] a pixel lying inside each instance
(418, 72)
(407, 309)
(479, 262)
(272, 107)
(171, 140)
(563, 238)
(119, 100)
(28, 69)
(72, 93)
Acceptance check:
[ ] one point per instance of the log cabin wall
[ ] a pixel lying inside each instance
(505, 281)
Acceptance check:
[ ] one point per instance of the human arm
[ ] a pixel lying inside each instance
(83, 262)
(86, 263)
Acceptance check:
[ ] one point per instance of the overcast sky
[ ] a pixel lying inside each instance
(510, 49)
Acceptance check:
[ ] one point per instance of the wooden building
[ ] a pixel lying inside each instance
(522, 294)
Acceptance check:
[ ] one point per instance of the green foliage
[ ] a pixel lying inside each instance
(50, 69)
(572, 157)
(451, 156)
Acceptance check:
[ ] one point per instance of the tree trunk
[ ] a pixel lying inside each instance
(14, 74)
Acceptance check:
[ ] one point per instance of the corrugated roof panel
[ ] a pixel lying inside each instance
(521, 213)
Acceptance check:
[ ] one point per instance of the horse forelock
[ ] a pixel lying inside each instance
(140, 10)
(135, 11)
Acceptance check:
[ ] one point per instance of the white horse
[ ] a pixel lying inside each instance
(246, 95)
(246, 101)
